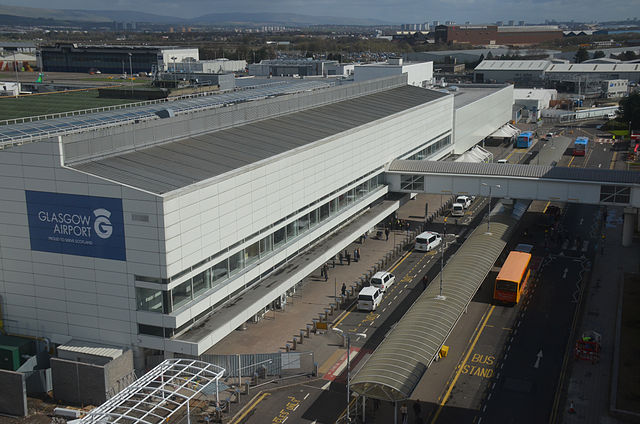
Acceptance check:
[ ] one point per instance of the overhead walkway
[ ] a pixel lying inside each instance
(397, 365)
(532, 182)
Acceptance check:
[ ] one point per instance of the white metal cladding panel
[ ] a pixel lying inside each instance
(290, 185)
(474, 121)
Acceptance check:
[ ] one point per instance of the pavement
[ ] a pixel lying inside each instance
(589, 387)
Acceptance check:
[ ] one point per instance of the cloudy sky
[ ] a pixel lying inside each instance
(393, 11)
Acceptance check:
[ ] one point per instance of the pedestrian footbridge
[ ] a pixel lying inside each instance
(513, 181)
(593, 186)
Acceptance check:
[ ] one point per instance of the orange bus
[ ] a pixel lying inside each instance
(512, 278)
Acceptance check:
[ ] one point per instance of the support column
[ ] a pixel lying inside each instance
(628, 226)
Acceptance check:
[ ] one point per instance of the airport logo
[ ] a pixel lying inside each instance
(76, 225)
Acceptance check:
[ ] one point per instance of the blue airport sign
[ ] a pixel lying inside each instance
(76, 225)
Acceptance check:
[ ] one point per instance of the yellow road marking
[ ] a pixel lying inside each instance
(251, 406)
(466, 358)
(572, 158)
(546, 206)
(346, 314)
(613, 160)
(344, 411)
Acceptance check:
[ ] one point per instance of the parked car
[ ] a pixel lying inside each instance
(465, 201)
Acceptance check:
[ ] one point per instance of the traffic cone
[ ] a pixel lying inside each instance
(572, 409)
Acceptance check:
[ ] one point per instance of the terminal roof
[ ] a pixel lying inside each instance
(171, 166)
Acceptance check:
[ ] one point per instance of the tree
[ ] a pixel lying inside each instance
(581, 55)
(629, 110)
(598, 54)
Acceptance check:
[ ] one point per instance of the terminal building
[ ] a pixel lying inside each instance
(166, 232)
(493, 34)
(111, 59)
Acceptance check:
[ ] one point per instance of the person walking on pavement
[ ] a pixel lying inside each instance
(417, 410)
(326, 273)
(386, 233)
(340, 257)
(425, 282)
(322, 271)
(404, 413)
(344, 289)
(355, 255)
(348, 255)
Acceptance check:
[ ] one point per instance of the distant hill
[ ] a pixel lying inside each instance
(280, 19)
(32, 15)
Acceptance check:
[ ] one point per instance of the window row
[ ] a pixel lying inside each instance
(167, 301)
(431, 149)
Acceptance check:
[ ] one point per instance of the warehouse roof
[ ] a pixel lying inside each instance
(166, 167)
(594, 67)
(513, 65)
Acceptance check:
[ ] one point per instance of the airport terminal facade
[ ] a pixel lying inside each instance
(133, 234)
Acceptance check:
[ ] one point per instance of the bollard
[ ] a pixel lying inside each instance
(246, 388)
(301, 336)
(294, 344)
(287, 347)
(326, 315)
(314, 323)
(308, 330)
(332, 309)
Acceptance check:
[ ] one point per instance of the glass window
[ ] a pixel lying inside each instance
(266, 245)
(236, 262)
(324, 211)
(201, 282)
(313, 218)
(291, 230)
(181, 294)
(252, 253)
(149, 300)
(333, 206)
(220, 271)
(279, 237)
(303, 224)
(342, 201)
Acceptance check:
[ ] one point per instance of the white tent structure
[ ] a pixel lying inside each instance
(476, 154)
(505, 131)
(159, 394)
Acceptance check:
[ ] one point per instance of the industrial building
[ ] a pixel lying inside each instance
(593, 79)
(479, 35)
(291, 67)
(111, 59)
(217, 66)
(419, 74)
(164, 232)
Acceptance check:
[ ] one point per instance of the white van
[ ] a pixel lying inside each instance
(369, 298)
(464, 201)
(502, 161)
(382, 280)
(457, 209)
(427, 241)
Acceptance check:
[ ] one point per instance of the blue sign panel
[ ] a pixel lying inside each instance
(76, 225)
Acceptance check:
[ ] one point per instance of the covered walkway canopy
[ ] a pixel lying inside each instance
(159, 394)
(505, 131)
(397, 365)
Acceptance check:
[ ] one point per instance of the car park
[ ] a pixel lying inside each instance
(382, 280)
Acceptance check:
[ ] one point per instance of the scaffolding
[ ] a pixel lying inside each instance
(161, 393)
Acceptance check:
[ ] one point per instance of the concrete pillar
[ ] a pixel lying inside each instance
(628, 226)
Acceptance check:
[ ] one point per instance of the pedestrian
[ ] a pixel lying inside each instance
(333, 261)
(340, 257)
(425, 282)
(358, 253)
(326, 273)
(355, 255)
(344, 289)
(348, 255)
(404, 413)
(417, 409)
(408, 227)
(386, 232)
(322, 271)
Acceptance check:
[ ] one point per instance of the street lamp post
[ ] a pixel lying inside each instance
(130, 72)
(442, 243)
(489, 206)
(347, 336)
(15, 66)
(175, 80)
